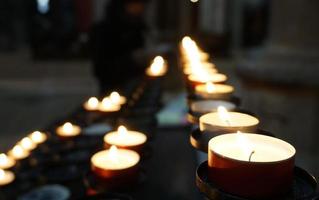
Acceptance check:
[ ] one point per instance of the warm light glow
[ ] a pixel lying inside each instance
(3, 159)
(93, 102)
(157, 67)
(107, 103)
(122, 130)
(67, 127)
(113, 154)
(244, 144)
(27, 144)
(2, 174)
(210, 87)
(194, 1)
(159, 60)
(223, 113)
(38, 137)
(115, 97)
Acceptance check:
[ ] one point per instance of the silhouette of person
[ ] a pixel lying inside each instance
(115, 42)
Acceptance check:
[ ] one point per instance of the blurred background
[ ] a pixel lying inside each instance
(268, 48)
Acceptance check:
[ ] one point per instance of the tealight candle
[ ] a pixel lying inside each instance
(189, 71)
(68, 130)
(207, 106)
(126, 139)
(157, 68)
(38, 137)
(92, 104)
(27, 144)
(108, 106)
(224, 121)
(204, 78)
(18, 153)
(6, 162)
(116, 98)
(251, 165)
(214, 91)
(115, 164)
(6, 177)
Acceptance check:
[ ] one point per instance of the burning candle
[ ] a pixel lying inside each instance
(224, 121)
(27, 144)
(18, 153)
(108, 106)
(116, 98)
(214, 91)
(207, 106)
(38, 137)
(251, 165)
(115, 164)
(125, 139)
(203, 78)
(157, 68)
(68, 130)
(92, 104)
(6, 177)
(6, 162)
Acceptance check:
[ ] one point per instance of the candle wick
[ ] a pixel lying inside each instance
(251, 154)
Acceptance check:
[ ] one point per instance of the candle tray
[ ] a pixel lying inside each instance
(304, 186)
(199, 140)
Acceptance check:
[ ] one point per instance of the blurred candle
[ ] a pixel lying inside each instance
(38, 137)
(116, 98)
(157, 68)
(108, 106)
(27, 144)
(214, 91)
(18, 153)
(6, 162)
(68, 130)
(91, 104)
(6, 177)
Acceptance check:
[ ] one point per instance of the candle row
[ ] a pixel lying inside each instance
(111, 103)
(244, 164)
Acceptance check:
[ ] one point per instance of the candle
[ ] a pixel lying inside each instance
(6, 162)
(92, 104)
(126, 139)
(224, 121)
(203, 78)
(68, 130)
(157, 68)
(18, 153)
(194, 70)
(27, 144)
(108, 106)
(6, 177)
(214, 91)
(115, 164)
(116, 98)
(207, 106)
(251, 165)
(38, 137)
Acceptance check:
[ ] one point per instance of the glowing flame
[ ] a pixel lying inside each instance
(186, 42)
(115, 97)
(107, 103)
(210, 87)
(37, 137)
(93, 102)
(27, 143)
(67, 127)
(122, 131)
(113, 151)
(245, 145)
(157, 66)
(17, 150)
(223, 113)
(159, 60)
(3, 159)
(2, 174)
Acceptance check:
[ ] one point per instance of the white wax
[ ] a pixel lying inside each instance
(215, 78)
(122, 159)
(6, 177)
(6, 162)
(206, 106)
(68, 130)
(239, 146)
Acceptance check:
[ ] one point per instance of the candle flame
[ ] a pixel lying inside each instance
(159, 60)
(157, 66)
(113, 154)
(37, 137)
(17, 150)
(107, 103)
(2, 174)
(3, 159)
(93, 102)
(122, 131)
(210, 87)
(115, 97)
(223, 113)
(245, 145)
(67, 127)
(27, 143)
(186, 41)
